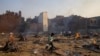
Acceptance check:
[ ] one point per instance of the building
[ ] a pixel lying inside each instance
(43, 20)
(10, 21)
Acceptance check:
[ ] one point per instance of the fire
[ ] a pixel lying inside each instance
(94, 41)
(77, 35)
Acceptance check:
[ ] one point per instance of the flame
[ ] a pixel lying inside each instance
(77, 35)
(94, 41)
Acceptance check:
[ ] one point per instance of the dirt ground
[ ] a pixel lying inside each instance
(66, 46)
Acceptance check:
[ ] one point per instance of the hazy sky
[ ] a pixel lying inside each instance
(31, 8)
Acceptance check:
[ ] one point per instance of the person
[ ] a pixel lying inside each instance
(10, 45)
(50, 45)
(11, 37)
(50, 38)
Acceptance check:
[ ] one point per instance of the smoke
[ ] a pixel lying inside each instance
(85, 8)
(90, 8)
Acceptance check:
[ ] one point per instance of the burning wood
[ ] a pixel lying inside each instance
(77, 36)
(93, 46)
(94, 41)
(57, 47)
(86, 36)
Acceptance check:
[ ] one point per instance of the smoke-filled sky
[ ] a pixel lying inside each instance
(31, 8)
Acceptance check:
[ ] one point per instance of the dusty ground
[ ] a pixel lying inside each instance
(36, 47)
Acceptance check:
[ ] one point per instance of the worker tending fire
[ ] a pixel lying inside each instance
(10, 44)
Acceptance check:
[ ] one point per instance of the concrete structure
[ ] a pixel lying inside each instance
(43, 20)
(10, 21)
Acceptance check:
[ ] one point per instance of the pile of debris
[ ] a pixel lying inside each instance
(93, 46)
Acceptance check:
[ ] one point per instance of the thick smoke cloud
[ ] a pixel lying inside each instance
(90, 8)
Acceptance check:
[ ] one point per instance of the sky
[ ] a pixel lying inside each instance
(31, 8)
